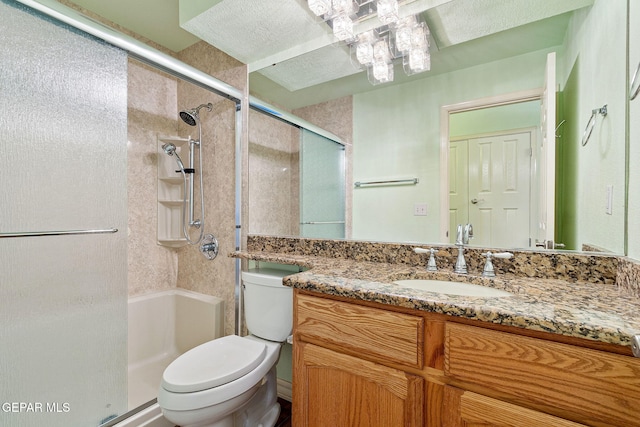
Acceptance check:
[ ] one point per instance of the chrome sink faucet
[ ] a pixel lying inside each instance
(464, 233)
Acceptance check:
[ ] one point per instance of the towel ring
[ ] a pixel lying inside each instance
(592, 123)
(635, 84)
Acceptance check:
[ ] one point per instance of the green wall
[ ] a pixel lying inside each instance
(592, 73)
(567, 165)
(397, 135)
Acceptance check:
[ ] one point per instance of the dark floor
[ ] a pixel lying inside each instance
(285, 414)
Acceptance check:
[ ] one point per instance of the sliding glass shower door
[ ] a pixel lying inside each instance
(63, 291)
(322, 187)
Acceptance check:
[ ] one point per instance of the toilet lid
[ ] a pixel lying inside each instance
(212, 364)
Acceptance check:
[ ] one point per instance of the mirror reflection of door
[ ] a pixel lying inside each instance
(504, 115)
(490, 187)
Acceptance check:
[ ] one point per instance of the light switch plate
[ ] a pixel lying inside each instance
(420, 209)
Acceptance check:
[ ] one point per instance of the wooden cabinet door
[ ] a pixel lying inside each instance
(332, 389)
(466, 409)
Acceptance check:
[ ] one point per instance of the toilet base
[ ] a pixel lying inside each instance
(220, 415)
(261, 409)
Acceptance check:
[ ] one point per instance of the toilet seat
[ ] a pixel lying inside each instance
(169, 400)
(213, 364)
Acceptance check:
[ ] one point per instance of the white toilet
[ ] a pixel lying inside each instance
(231, 381)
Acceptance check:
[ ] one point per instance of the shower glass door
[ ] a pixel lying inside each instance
(63, 312)
(322, 187)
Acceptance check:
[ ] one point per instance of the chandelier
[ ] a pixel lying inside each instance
(376, 50)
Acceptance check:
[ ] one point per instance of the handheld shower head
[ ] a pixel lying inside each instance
(170, 149)
(191, 116)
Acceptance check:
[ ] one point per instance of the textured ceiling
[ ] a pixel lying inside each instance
(250, 30)
(156, 20)
(462, 20)
(297, 57)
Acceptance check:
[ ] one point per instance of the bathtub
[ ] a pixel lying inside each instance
(162, 326)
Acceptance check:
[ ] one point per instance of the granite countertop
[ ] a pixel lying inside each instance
(592, 311)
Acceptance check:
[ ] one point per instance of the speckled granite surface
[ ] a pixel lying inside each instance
(568, 294)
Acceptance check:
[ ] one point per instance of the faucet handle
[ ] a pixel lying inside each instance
(488, 270)
(504, 255)
(431, 265)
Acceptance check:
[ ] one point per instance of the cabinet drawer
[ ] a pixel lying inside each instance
(379, 334)
(591, 384)
(465, 408)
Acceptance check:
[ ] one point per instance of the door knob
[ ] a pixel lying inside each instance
(476, 201)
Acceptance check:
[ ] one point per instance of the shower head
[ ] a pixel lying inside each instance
(170, 149)
(191, 117)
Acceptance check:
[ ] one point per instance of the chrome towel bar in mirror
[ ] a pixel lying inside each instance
(592, 122)
(411, 181)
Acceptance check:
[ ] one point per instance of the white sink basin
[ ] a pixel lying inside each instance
(452, 288)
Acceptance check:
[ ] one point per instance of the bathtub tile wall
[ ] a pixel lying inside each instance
(195, 272)
(152, 99)
(273, 170)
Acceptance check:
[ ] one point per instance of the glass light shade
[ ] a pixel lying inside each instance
(343, 27)
(407, 21)
(364, 53)
(403, 39)
(344, 7)
(387, 11)
(381, 51)
(417, 61)
(419, 37)
(320, 7)
(380, 72)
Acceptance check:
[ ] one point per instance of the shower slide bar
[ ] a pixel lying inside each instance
(57, 233)
(411, 181)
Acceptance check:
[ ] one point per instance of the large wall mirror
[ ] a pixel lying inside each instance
(484, 97)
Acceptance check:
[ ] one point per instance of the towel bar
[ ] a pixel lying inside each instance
(56, 233)
(391, 182)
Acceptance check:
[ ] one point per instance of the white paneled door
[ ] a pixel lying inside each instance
(490, 187)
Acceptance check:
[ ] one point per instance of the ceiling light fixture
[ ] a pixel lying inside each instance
(377, 50)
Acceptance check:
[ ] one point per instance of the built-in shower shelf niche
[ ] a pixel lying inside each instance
(170, 193)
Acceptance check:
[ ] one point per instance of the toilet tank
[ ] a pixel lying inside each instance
(268, 304)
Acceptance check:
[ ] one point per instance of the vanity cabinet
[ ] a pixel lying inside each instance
(368, 364)
(579, 383)
(342, 372)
